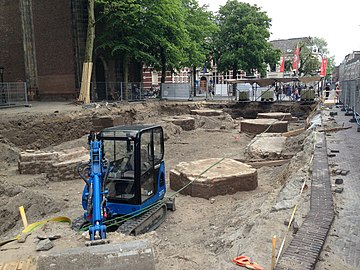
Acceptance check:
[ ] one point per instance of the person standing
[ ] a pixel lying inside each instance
(327, 91)
(337, 93)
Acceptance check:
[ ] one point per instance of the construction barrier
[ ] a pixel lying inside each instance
(13, 94)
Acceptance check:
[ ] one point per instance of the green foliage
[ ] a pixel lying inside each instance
(200, 26)
(322, 45)
(309, 63)
(288, 66)
(242, 41)
(166, 33)
(148, 31)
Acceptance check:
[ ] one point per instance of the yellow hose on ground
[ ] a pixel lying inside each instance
(30, 228)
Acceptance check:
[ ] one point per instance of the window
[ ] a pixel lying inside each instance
(147, 179)
(154, 78)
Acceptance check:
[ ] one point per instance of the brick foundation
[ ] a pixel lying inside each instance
(59, 166)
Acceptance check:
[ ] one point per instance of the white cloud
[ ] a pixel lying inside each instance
(337, 22)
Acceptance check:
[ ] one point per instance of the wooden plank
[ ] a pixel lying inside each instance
(294, 132)
(334, 129)
(269, 163)
(28, 264)
(84, 95)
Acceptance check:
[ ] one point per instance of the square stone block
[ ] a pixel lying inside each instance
(211, 177)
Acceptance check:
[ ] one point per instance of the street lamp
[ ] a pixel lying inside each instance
(3, 98)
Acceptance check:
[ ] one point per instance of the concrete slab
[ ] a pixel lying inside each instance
(277, 115)
(133, 255)
(212, 177)
(267, 145)
(257, 126)
(185, 122)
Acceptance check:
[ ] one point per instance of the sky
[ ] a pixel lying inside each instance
(338, 22)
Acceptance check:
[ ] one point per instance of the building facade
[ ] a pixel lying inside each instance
(43, 43)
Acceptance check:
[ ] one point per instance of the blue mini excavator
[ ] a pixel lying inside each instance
(125, 181)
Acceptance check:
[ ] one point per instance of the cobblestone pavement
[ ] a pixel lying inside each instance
(304, 250)
(329, 240)
(342, 247)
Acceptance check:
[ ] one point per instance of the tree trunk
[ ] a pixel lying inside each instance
(90, 32)
(235, 84)
(87, 66)
(126, 77)
(194, 79)
(163, 69)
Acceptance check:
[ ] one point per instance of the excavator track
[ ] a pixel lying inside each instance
(146, 222)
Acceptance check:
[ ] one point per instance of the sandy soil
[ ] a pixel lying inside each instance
(200, 234)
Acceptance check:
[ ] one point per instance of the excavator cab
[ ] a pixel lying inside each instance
(136, 174)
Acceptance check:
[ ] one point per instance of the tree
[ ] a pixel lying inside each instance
(148, 31)
(322, 46)
(122, 32)
(167, 35)
(200, 26)
(311, 56)
(242, 41)
(309, 62)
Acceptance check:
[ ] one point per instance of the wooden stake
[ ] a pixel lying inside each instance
(85, 83)
(273, 252)
(23, 216)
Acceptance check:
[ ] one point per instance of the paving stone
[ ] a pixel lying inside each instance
(339, 181)
(310, 238)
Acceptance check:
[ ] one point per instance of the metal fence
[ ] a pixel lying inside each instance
(119, 91)
(350, 95)
(176, 91)
(13, 94)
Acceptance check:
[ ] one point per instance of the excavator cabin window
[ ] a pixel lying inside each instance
(120, 182)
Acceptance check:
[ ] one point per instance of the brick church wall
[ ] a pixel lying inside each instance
(11, 41)
(54, 47)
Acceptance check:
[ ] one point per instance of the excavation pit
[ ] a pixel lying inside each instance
(207, 178)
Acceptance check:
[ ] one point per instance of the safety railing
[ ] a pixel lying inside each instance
(121, 91)
(13, 94)
(349, 94)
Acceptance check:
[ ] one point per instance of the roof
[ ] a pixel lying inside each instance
(289, 45)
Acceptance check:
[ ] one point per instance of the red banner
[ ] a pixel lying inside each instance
(282, 67)
(323, 67)
(296, 58)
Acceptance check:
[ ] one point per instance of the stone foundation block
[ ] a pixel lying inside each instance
(257, 126)
(277, 115)
(267, 145)
(186, 123)
(131, 255)
(227, 176)
(207, 112)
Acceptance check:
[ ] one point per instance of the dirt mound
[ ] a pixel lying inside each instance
(8, 154)
(224, 121)
(37, 205)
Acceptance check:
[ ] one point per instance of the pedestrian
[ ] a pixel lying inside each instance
(337, 93)
(296, 94)
(327, 90)
(278, 93)
(211, 91)
(288, 91)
